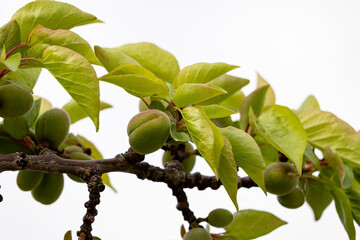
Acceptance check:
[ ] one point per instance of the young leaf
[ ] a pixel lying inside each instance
(27, 76)
(309, 103)
(96, 155)
(20, 84)
(318, 196)
(216, 111)
(335, 163)
(162, 63)
(16, 127)
(201, 73)
(270, 94)
(178, 136)
(193, 93)
(112, 58)
(247, 154)
(205, 134)
(310, 156)
(33, 113)
(250, 224)
(230, 84)
(343, 208)
(9, 35)
(11, 63)
(76, 113)
(228, 171)
(67, 235)
(42, 37)
(354, 197)
(77, 76)
(50, 14)
(255, 101)
(280, 127)
(325, 129)
(137, 81)
(349, 177)
(233, 101)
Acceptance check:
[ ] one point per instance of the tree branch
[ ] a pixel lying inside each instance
(129, 162)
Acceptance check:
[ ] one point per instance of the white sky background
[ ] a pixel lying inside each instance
(299, 47)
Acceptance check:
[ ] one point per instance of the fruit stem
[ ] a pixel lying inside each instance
(14, 48)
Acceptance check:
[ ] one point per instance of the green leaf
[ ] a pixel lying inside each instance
(3, 54)
(250, 224)
(247, 154)
(325, 129)
(112, 58)
(33, 113)
(280, 127)
(343, 208)
(318, 196)
(233, 101)
(335, 162)
(16, 127)
(349, 177)
(354, 197)
(310, 156)
(77, 76)
(201, 73)
(193, 93)
(309, 103)
(216, 111)
(178, 136)
(50, 14)
(205, 134)
(96, 155)
(67, 236)
(254, 100)
(27, 76)
(20, 84)
(9, 35)
(11, 63)
(230, 84)
(42, 37)
(138, 81)
(270, 94)
(162, 63)
(76, 113)
(228, 171)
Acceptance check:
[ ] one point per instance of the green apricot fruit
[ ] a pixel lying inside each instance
(50, 188)
(78, 156)
(28, 180)
(197, 234)
(74, 149)
(148, 131)
(280, 178)
(52, 127)
(293, 199)
(220, 218)
(14, 101)
(188, 163)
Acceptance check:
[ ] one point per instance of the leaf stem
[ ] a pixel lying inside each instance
(14, 48)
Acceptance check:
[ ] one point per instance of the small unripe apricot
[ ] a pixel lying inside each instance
(148, 131)
(14, 101)
(280, 178)
(220, 218)
(50, 188)
(28, 180)
(73, 149)
(188, 163)
(197, 234)
(293, 199)
(52, 127)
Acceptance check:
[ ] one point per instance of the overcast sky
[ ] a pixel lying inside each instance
(300, 47)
